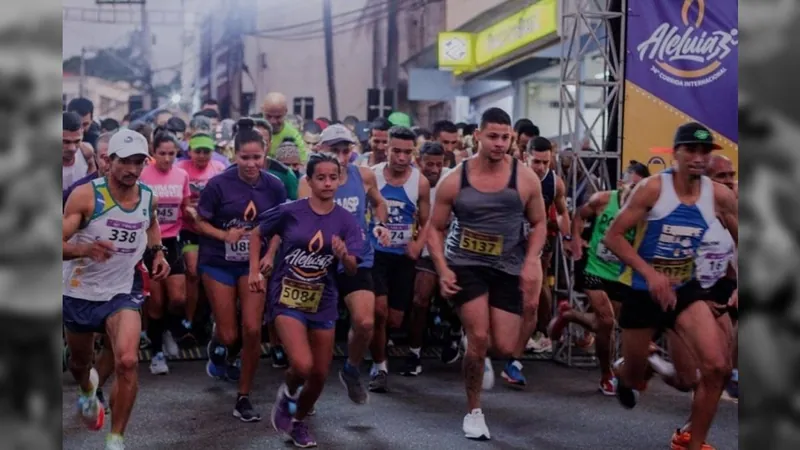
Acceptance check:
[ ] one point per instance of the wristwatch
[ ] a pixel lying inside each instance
(157, 248)
(567, 237)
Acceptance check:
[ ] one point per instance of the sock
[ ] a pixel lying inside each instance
(377, 367)
(155, 331)
(114, 437)
(240, 396)
(735, 375)
(415, 351)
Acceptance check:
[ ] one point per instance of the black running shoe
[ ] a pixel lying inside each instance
(413, 366)
(279, 358)
(244, 410)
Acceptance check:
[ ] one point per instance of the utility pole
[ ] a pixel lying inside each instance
(327, 21)
(148, 101)
(392, 50)
(82, 80)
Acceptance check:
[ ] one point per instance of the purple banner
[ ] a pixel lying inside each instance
(685, 53)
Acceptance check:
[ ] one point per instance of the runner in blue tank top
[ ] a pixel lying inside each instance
(671, 212)
(407, 195)
(357, 186)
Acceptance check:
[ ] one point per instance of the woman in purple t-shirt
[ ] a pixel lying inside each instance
(226, 214)
(316, 234)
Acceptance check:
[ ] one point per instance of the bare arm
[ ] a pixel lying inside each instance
(535, 211)
(590, 209)
(209, 230)
(445, 195)
(78, 209)
(154, 230)
(727, 207)
(379, 206)
(88, 155)
(255, 250)
(424, 209)
(303, 189)
(561, 207)
(634, 212)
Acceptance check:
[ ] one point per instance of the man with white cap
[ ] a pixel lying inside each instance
(108, 225)
(356, 186)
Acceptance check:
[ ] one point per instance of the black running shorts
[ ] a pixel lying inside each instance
(361, 281)
(475, 281)
(393, 276)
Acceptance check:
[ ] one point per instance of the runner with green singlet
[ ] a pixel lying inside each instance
(601, 274)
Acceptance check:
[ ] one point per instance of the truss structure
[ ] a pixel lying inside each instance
(586, 33)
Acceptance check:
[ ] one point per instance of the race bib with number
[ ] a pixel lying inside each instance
(679, 271)
(400, 234)
(481, 243)
(168, 213)
(124, 235)
(301, 295)
(712, 267)
(605, 254)
(239, 251)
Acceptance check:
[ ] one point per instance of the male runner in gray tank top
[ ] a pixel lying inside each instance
(487, 264)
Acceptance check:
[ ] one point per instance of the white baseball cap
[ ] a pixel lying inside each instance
(126, 143)
(336, 134)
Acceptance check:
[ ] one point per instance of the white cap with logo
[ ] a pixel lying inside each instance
(336, 134)
(126, 143)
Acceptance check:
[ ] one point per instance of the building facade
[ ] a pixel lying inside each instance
(110, 98)
(500, 53)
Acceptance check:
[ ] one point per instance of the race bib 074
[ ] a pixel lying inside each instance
(239, 251)
(400, 234)
(301, 295)
(481, 243)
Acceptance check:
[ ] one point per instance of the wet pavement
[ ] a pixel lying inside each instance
(560, 410)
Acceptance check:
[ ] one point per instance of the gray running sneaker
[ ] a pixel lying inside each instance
(351, 380)
(379, 382)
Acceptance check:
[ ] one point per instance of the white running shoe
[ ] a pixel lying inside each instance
(158, 365)
(114, 442)
(488, 377)
(661, 366)
(170, 347)
(474, 426)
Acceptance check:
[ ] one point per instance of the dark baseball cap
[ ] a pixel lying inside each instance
(693, 133)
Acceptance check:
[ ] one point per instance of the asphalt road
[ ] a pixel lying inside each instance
(560, 410)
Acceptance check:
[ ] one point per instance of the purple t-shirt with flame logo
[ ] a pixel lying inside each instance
(304, 278)
(230, 202)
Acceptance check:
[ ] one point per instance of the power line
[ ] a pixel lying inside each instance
(318, 22)
(347, 26)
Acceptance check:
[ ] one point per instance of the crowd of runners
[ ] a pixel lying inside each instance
(275, 223)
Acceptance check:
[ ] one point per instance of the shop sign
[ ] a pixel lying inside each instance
(517, 31)
(456, 50)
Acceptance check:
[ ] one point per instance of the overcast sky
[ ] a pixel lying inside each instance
(166, 52)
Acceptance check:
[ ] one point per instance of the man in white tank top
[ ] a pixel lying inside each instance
(108, 224)
(77, 159)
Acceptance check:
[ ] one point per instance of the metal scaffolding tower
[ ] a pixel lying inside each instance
(586, 32)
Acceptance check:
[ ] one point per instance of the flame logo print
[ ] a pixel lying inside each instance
(250, 213)
(316, 243)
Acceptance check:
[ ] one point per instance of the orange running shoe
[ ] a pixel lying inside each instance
(680, 440)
